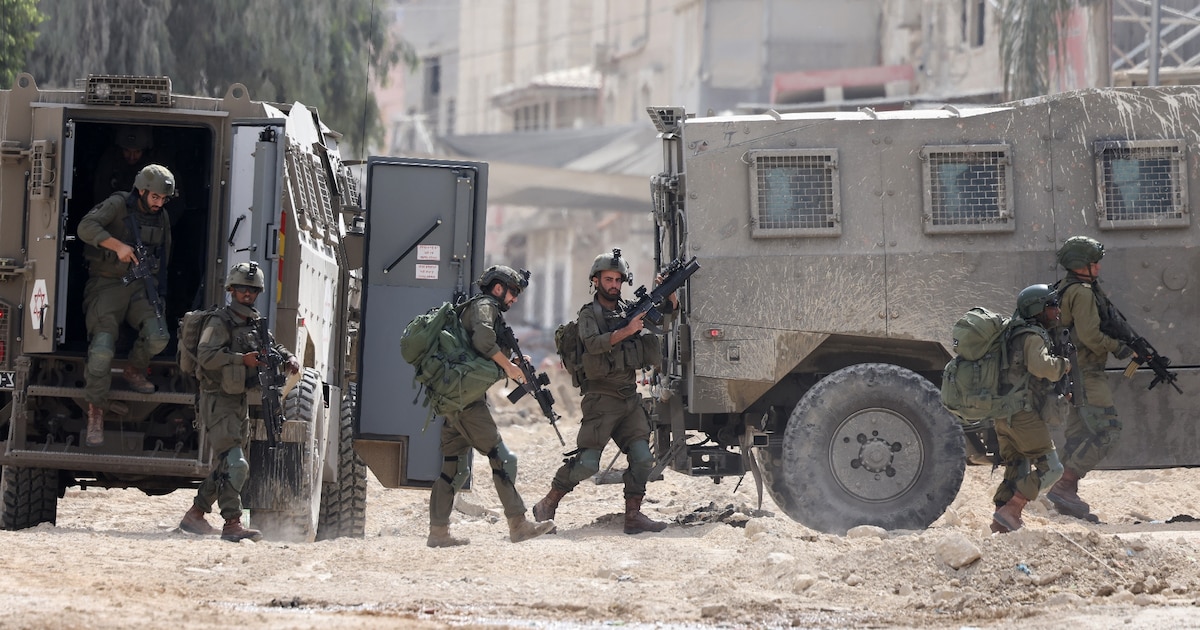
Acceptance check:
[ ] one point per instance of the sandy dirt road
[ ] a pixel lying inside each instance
(116, 559)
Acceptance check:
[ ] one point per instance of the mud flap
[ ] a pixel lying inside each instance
(277, 477)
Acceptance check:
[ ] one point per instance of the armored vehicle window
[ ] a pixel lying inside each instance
(794, 193)
(1141, 184)
(967, 189)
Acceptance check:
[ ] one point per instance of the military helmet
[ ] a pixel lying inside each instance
(245, 274)
(516, 281)
(155, 178)
(135, 138)
(1034, 299)
(1078, 251)
(611, 262)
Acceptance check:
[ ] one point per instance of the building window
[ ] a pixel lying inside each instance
(967, 188)
(794, 193)
(974, 22)
(1141, 184)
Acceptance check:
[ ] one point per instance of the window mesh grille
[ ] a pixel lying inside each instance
(968, 188)
(1141, 183)
(796, 193)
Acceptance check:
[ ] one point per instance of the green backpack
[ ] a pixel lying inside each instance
(453, 373)
(191, 325)
(570, 350)
(971, 381)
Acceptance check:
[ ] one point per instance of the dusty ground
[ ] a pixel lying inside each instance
(117, 559)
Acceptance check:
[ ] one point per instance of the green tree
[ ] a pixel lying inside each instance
(18, 32)
(323, 53)
(1029, 31)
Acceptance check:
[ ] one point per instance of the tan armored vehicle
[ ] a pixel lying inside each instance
(838, 249)
(256, 182)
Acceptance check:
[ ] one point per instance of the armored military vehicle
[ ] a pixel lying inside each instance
(838, 249)
(256, 182)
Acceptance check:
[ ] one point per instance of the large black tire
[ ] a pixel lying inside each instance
(870, 444)
(30, 497)
(344, 499)
(290, 498)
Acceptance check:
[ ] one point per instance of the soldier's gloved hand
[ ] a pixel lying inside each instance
(250, 359)
(1124, 352)
(293, 365)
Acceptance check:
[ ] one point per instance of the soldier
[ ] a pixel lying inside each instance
(110, 231)
(612, 406)
(1092, 427)
(473, 427)
(1030, 461)
(228, 357)
(121, 162)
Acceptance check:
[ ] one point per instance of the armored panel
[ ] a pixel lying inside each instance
(424, 246)
(1141, 183)
(967, 189)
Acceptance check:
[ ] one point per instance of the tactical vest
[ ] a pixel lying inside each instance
(616, 369)
(234, 378)
(153, 228)
(1017, 372)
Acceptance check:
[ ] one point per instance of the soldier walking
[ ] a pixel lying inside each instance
(473, 426)
(1030, 460)
(612, 406)
(1092, 427)
(228, 366)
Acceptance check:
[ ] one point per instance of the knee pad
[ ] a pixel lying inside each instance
(504, 462)
(100, 354)
(641, 460)
(153, 335)
(461, 472)
(237, 468)
(584, 465)
(1053, 471)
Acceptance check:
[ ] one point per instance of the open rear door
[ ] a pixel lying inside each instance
(424, 245)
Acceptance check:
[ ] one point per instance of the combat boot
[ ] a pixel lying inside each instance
(137, 380)
(194, 523)
(1008, 516)
(439, 536)
(521, 529)
(95, 425)
(635, 521)
(544, 510)
(1064, 494)
(234, 532)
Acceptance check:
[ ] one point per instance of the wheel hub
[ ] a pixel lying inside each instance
(876, 454)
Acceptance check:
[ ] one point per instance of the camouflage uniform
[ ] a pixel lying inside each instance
(108, 301)
(224, 411)
(474, 428)
(612, 410)
(1092, 429)
(1026, 447)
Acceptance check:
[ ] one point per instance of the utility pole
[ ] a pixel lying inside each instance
(1155, 42)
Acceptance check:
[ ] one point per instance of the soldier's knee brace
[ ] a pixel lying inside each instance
(641, 460)
(236, 467)
(1051, 469)
(155, 336)
(100, 354)
(504, 462)
(585, 464)
(461, 472)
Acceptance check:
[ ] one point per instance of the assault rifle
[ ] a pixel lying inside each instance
(271, 380)
(1117, 327)
(144, 269)
(651, 303)
(534, 383)
(1070, 383)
